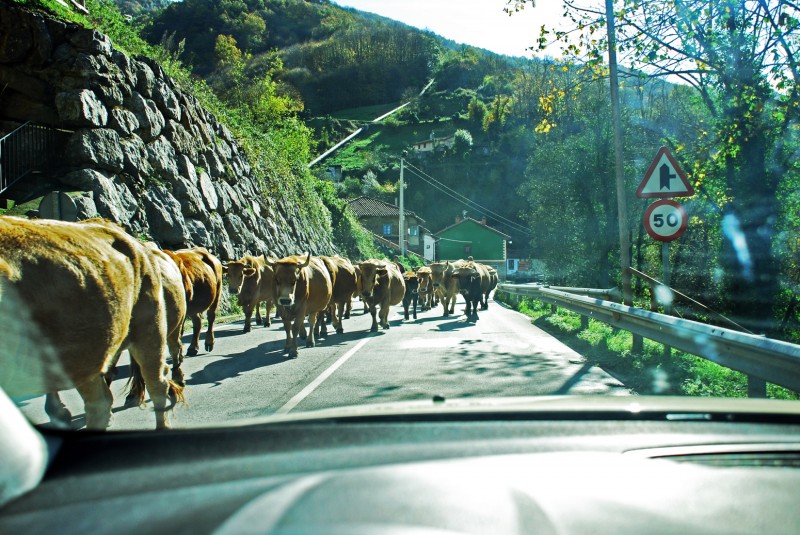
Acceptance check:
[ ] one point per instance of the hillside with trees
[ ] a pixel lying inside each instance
(532, 139)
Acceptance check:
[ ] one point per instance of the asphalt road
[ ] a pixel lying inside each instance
(248, 375)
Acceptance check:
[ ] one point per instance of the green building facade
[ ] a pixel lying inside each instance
(468, 237)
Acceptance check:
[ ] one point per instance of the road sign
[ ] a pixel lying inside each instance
(665, 220)
(664, 178)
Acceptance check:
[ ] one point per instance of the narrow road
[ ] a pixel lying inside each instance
(247, 375)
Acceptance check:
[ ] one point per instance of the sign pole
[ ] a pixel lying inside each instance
(665, 277)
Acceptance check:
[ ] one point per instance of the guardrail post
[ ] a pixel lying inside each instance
(584, 322)
(756, 387)
(638, 344)
(553, 309)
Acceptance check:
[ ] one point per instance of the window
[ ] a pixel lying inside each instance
(468, 250)
(387, 229)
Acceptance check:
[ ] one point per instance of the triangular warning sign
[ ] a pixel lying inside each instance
(664, 178)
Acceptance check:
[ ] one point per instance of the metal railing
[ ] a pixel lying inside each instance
(760, 358)
(27, 149)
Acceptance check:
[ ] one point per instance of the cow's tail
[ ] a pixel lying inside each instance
(136, 387)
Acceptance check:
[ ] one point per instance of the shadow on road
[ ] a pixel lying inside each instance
(235, 364)
(453, 325)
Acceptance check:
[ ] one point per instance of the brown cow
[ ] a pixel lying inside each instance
(445, 285)
(425, 287)
(493, 280)
(90, 291)
(250, 279)
(345, 284)
(381, 284)
(473, 281)
(202, 281)
(301, 287)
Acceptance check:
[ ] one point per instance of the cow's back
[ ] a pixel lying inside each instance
(202, 273)
(345, 283)
(319, 286)
(397, 286)
(82, 284)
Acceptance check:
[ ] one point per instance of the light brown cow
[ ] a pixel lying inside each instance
(250, 279)
(425, 287)
(202, 282)
(444, 284)
(381, 284)
(301, 287)
(91, 291)
(345, 284)
(175, 303)
(493, 280)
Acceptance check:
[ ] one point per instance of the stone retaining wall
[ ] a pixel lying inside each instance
(148, 156)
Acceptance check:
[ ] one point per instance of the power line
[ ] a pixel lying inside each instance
(510, 223)
(464, 200)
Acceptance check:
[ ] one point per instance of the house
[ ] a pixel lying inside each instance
(383, 219)
(434, 143)
(469, 237)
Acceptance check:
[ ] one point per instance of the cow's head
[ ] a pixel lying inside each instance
(424, 278)
(438, 272)
(287, 273)
(237, 271)
(412, 282)
(467, 277)
(371, 273)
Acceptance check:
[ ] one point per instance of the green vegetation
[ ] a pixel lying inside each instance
(652, 371)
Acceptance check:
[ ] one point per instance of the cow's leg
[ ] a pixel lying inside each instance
(258, 313)
(287, 326)
(348, 308)
(212, 316)
(414, 304)
(268, 307)
(194, 345)
(135, 395)
(97, 402)
(248, 314)
(340, 314)
(321, 322)
(385, 315)
(55, 409)
(313, 318)
(373, 311)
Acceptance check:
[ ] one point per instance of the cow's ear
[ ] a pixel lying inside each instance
(249, 271)
(225, 267)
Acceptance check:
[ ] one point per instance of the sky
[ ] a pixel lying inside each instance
(481, 23)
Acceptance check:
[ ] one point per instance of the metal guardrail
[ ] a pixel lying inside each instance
(27, 149)
(759, 357)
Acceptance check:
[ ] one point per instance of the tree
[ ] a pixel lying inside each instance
(741, 58)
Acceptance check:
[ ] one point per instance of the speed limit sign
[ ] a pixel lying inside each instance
(665, 220)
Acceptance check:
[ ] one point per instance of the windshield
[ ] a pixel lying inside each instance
(218, 211)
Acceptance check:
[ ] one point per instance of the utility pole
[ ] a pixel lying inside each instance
(402, 226)
(622, 207)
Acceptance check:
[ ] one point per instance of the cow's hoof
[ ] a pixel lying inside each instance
(192, 352)
(209, 347)
(373, 329)
(347, 316)
(339, 331)
(266, 323)
(303, 336)
(309, 343)
(292, 353)
(132, 401)
(246, 329)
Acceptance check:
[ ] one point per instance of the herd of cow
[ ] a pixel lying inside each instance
(91, 291)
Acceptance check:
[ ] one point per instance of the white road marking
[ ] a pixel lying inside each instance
(300, 396)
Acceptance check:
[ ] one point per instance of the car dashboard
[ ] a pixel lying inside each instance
(424, 475)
